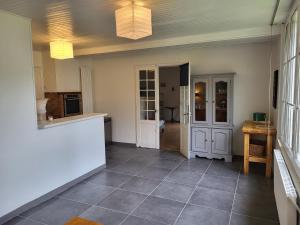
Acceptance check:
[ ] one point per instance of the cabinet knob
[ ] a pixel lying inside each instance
(205, 140)
(212, 140)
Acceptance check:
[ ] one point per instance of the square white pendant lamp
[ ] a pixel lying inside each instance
(61, 49)
(133, 22)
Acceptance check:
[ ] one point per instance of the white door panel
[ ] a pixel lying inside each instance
(147, 107)
(185, 114)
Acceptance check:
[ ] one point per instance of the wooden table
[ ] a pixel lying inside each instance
(257, 128)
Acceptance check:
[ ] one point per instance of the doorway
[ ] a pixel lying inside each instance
(169, 107)
(149, 124)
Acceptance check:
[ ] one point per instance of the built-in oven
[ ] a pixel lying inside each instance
(72, 104)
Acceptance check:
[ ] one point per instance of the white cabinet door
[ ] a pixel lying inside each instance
(201, 139)
(39, 82)
(221, 101)
(221, 141)
(201, 98)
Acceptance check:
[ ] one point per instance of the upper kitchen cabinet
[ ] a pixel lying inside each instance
(61, 75)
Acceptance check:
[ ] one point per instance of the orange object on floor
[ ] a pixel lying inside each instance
(80, 221)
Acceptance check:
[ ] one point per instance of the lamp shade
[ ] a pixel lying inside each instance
(61, 49)
(133, 22)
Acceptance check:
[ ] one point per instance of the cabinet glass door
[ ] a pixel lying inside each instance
(221, 101)
(200, 100)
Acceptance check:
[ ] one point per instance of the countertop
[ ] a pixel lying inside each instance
(67, 120)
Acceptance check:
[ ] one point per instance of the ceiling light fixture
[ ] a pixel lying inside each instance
(61, 49)
(133, 22)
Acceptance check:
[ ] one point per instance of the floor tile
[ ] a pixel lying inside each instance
(221, 168)
(131, 168)
(133, 220)
(173, 191)
(255, 185)
(263, 207)
(198, 215)
(212, 198)
(154, 173)
(196, 165)
(165, 163)
(103, 216)
(140, 185)
(109, 178)
(122, 201)
(56, 211)
(87, 193)
(219, 183)
(160, 210)
(183, 176)
(246, 220)
(20, 221)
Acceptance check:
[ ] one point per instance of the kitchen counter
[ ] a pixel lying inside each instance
(67, 120)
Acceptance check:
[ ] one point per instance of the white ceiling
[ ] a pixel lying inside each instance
(90, 24)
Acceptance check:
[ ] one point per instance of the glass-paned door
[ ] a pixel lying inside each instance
(221, 100)
(200, 101)
(147, 102)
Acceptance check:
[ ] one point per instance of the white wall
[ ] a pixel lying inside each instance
(170, 98)
(32, 161)
(114, 81)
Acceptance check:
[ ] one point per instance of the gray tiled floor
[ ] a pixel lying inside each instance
(149, 187)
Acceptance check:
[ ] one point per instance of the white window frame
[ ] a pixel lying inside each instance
(289, 137)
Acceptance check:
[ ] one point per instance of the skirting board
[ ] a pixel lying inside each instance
(49, 195)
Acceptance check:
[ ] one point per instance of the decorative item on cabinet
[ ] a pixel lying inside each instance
(211, 128)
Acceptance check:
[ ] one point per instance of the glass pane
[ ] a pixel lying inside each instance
(200, 101)
(221, 101)
(291, 81)
(151, 105)
(151, 85)
(151, 95)
(143, 95)
(143, 75)
(143, 115)
(151, 115)
(297, 131)
(294, 34)
(150, 74)
(289, 126)
(143, 105)
(143, 85)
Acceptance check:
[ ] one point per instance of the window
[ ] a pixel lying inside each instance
(289, 132)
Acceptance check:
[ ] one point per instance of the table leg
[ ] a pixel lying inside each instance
(269, 156)
(246, 153)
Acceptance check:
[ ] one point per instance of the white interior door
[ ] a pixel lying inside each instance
(147, 107)
(185, 112)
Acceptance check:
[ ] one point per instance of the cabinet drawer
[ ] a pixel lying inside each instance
(201, 139)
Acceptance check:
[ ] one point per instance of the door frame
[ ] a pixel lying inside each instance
(157, 89)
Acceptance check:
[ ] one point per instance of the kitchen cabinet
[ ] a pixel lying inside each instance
(212, 116)
(61, 75)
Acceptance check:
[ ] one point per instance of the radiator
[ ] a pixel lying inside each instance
(285, 193)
